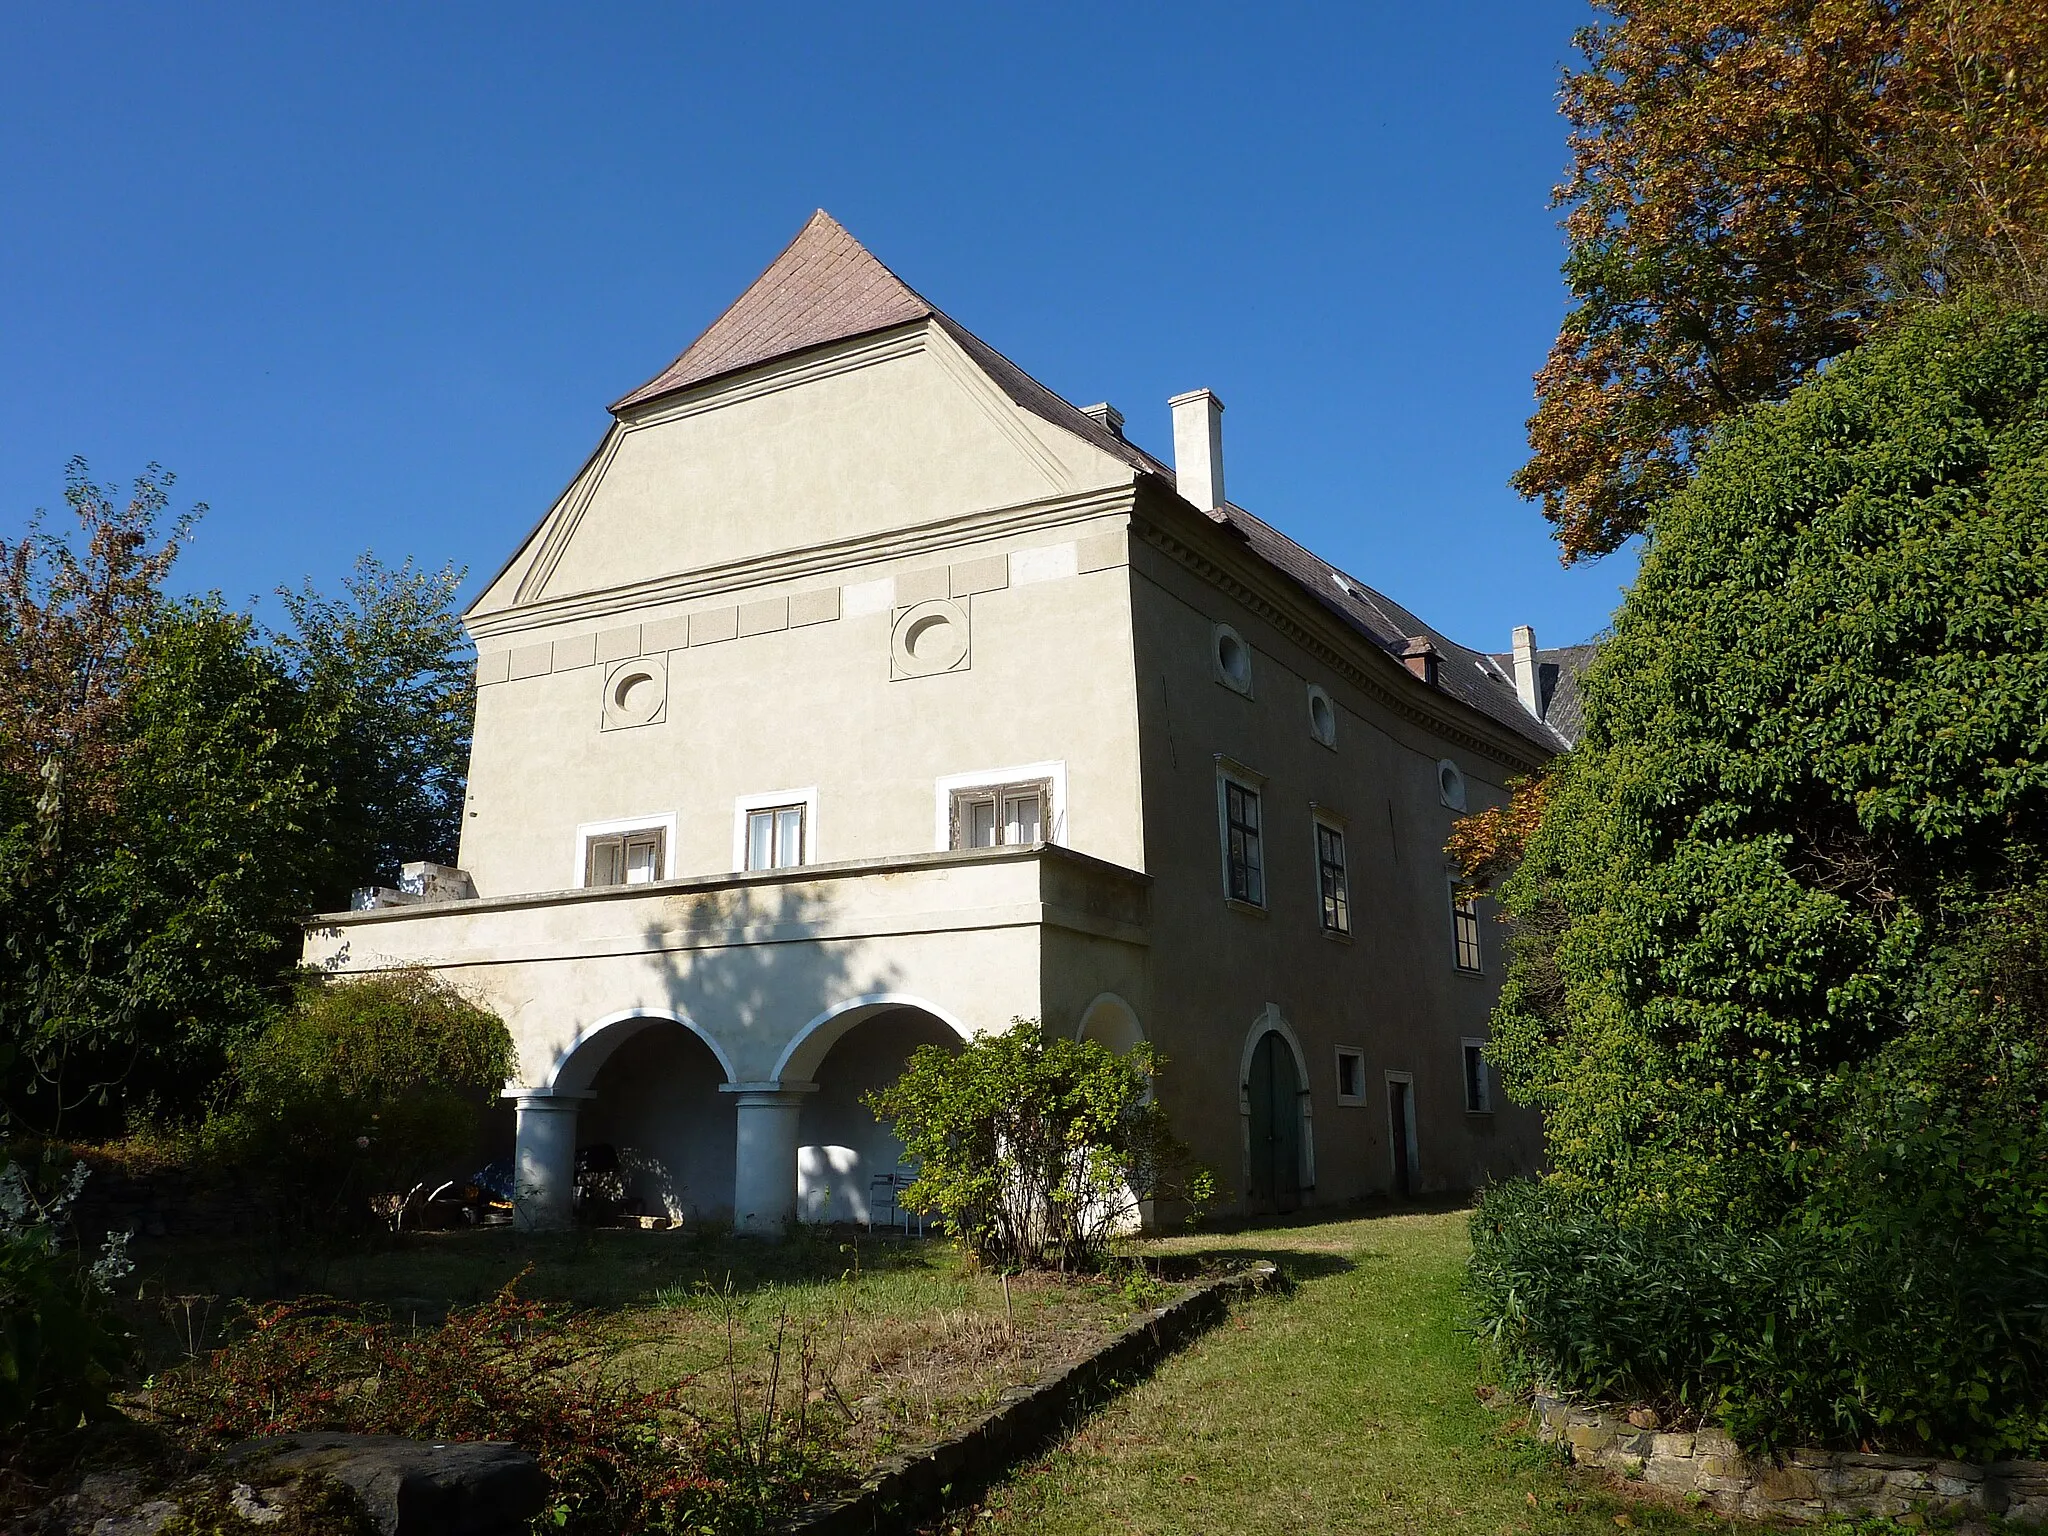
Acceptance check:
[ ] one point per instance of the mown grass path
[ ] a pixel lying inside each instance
(1348, 1404)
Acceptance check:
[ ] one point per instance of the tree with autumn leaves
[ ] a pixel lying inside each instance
(178, 786)
(1756, 187)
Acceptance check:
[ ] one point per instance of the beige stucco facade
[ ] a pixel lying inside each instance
(855, 575)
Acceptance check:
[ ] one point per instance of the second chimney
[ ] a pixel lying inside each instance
(1198, 448)
(1526, 687)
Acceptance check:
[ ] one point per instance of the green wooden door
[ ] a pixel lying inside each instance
(1274, 1092)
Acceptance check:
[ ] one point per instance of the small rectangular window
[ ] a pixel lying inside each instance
(775, 837)
(1464, 931)
(1336, 892)
(1478, 1079)
(1000, 815)
(625, 858)
(1350, 1076)
(1244, 854)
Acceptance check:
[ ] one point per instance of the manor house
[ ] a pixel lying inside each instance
(860, 692)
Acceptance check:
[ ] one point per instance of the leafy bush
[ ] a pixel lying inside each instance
(368, 1085)
(1917, 1339)
(620, 1458)
(1038, 1150)
(1813, 750)
(59, 1342)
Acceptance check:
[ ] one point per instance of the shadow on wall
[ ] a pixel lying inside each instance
(744, 973)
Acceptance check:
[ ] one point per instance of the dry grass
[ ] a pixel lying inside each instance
(881, 1342)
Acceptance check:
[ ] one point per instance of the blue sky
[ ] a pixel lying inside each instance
(365, 277)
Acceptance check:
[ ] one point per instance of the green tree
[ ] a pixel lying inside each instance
(178, 787)
(1816, 755)
(1755, 186)
(390, 677)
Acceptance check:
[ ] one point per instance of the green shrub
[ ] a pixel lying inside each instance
(366, 1086)
(60, 1344)
(1038, 1150)
(1814, 747)
(1916, 1339)
(620, 1458)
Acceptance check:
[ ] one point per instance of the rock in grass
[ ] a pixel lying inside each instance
(413, 1487)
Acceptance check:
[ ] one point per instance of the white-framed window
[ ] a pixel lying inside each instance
(1241, 826)
(1350, 1075)
(1000, 807)
(1478, 1078)
(1333, 879)
(776, 829)
(631, 851)
(1464, 931)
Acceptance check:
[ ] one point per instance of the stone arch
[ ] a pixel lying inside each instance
(1271, 1021)
(576, 1067)
(809, 1046)
(1112, 1021)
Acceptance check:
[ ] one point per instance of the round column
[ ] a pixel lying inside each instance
(544, 1159)
(764, 1164)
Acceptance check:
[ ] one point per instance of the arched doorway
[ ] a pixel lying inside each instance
(1273, 1091)
(655, 1133)
(842, 1149)
(1110, 1021)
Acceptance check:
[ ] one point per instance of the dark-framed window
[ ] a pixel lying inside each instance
(1333, 883)
(775, 837)
(1244, 849)
(999, 815)
(1478, 1079)
(625, 858)
(1464, 931)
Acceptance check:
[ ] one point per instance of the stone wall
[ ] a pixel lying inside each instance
(1804, 1485)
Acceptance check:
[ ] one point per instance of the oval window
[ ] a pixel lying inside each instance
(1450, 785)
(1322, 717)
(1233, 659)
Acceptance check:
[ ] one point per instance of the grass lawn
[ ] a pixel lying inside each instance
(1347, 1405)
(912, 1343)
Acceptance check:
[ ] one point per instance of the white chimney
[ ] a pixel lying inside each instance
(1525, 670)
(1198, 448)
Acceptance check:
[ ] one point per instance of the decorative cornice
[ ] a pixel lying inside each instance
(1310, 628)
(807, 560)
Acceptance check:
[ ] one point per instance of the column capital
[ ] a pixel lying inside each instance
(770, 1092)
(545, 1099)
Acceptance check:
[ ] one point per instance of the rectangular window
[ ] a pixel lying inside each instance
(1000, 815)
(1336, 892)
(775, 837)
(1465, 931)
(1478, 1079)
(1350, 1075)
(1243, 853)
(625, 858)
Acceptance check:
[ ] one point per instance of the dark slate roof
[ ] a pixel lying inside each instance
(1559, 672)
(1470, 676)
(825, 287)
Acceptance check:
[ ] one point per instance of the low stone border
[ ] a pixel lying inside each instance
(1026, 1418)
(1804, 1485)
